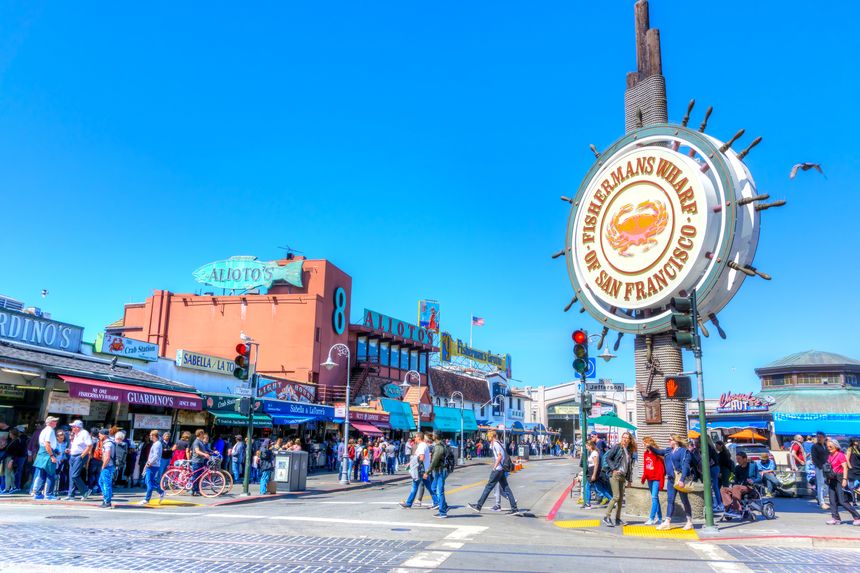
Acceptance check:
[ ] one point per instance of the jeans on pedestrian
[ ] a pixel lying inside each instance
(150, 477)
(392, 465)
(162, 467)
(439, 491)
(44, 479)
(837, 498)
(820, 485)
(497, 476)
(617, 483)
(106, 483)
(656, 511)
(76, 467)
(265, 476)
(195, 476)
(600, 486)
(19, 472)
(715, 485)
(586, 491)
(236, 469)
(670, 503)
(414, 491)
(94, 468)
(770, 482)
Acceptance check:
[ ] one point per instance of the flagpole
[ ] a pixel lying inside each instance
(471, 326)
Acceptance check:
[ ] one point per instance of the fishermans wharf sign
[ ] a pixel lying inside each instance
(450, 348)
(659, 214)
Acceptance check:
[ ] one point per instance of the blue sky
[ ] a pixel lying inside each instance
(421, 148)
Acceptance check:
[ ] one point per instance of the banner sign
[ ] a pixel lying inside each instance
(362, 415)
(449, 348)
(63, 404)
(30, 329)
(298, 409)
(396, 327)
(127, 347)
(286, 390)
(204, 362)
(151, 422)
(11, 392)
(244, 273)
(741, 403)
(428, 315)
(212, 402)
(132, 395)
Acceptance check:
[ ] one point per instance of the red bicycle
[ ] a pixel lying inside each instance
(180, 478)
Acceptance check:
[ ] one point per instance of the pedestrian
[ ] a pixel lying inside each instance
(836, 473)
(94, 465)
(767, 473)
(619, 460)
(798, 452)
(237, 456)
(677, 461)
(181, 448)
(501, 463)
(108, 465)
(152, 467)
(419, 467)
(45, 464)
(199, 456)
(853, 455)
(13, 463)
(61, 484)
(439, 464)
(391, 458)
(724, 459)
(358, 459)
(80, 450)
(819, 455)
(142, 459)
(219, 446)
(654, 473)
(166, 454)
(744, 477)
(121, 474)
(266, 465)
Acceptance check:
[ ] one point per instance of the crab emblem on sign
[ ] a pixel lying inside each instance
(626, 230)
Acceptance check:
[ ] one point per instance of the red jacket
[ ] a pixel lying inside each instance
(654, 468)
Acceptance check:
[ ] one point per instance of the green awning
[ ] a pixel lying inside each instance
(447, 419)
(470, 424)
(400, 414)
(237, 419)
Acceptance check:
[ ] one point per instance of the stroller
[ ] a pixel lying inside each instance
(755, 500)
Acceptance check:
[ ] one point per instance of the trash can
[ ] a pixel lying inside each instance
(523, 451)
(291, 471)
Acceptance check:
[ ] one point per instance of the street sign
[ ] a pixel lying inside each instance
(244, 391)
(592, 368)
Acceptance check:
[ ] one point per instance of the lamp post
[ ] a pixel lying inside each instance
(452, 403)
(504, 417)
(405, 386)
(342, 350)
(583, 423)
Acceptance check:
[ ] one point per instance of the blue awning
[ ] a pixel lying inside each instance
(809, 423)
(446, 419)
(517, 428)
(400, 414)
(729, 423)
(469, 422)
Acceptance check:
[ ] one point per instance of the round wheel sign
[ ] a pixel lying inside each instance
(657, 216)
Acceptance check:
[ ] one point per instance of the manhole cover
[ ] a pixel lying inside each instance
(400, 529)
(66, 517)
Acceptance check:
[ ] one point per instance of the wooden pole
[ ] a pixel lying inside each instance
(642, 24)
(652, 46)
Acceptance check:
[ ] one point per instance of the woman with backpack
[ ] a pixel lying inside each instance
(654, 473)
(836, 475)
(677, 460)
(619, 461)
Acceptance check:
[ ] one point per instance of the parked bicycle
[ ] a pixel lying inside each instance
(180, 478)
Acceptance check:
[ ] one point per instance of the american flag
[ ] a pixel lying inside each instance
(477, 321)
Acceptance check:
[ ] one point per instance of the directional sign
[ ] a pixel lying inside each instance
(244, 391)
(592, 368)
(680, 387)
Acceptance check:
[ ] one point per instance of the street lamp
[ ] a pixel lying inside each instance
(342, 350)
(452, 403)
(504, 417)
(405, 385)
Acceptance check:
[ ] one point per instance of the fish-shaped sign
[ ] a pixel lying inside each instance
(244, 273)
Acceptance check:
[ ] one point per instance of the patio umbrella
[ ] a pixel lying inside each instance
(611, 419)
(748, 435)
(693, 434)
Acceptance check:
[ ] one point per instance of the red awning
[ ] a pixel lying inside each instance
(365, 428)
(127, 394)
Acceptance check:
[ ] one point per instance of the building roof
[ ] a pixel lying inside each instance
(813, 400)
(445, 382)
(58, 362)
(813, 357)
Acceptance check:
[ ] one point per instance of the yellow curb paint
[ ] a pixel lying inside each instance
(170, 502)
(577, 523)
(648, 531)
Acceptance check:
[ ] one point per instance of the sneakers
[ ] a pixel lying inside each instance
(106, 505)
(496, 508)
(832, 521)
(585, 506)
(38, 497)
(607, 522)
(143, 502)
(474, 507)
(50, 498)
(825, 506)
(650, 522)
(513, 511)
(434, 507)
(418, 504)
(856, 523)
(688, 526)
(440, 515)
(87, 494)
(68, 498)
(604, 501)
(620, 523)
(665, 526)
(160, 498)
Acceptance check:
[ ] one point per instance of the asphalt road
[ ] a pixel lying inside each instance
(365, 531)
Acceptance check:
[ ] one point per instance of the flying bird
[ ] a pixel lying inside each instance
(806, 167)
(44, 292)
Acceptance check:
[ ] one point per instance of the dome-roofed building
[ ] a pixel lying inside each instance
(810, 368)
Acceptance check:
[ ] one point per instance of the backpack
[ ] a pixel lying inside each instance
(507, 463)
(827, 470)
(449, 460)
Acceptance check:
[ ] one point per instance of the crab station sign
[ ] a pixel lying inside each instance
(655, 217)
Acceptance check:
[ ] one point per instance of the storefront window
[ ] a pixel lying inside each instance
(404, 359)
(361, 348)
(422, 363)
(413, 360)
(851, 380)
(373, 350)
(395, 356)
(383, 353)
(776, 380)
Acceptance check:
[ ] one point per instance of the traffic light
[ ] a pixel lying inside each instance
(587, 402)
(682, 322)
(580, 351)
(242, 371)
(243, 406)
(680, 387)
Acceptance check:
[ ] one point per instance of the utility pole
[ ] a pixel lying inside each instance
(249, 434)
(703, 437)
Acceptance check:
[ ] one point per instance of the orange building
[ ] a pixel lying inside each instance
(295, 326)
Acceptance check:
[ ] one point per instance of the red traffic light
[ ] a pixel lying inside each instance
(243, 348)
(579, 336)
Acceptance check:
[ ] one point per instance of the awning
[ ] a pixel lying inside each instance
(729, 423)
(367, 429)
(89, 389)
(447, 419)
(810, 423)
(517, 428)
(300, 412)
(469, 422)
(400, 414)
(237, 419)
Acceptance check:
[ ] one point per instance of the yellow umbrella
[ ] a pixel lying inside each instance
(748, 435)
(693, 434)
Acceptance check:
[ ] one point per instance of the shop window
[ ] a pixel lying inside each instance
(404, 359)
(383, 353)
(373, 350)
(395, 356)
(361, 348)
(422, 363)
(413, 360)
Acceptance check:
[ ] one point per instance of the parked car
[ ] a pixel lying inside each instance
(753, 451)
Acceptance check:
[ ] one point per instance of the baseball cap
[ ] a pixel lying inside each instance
(104, 432)
(50, 419)
(77, 424)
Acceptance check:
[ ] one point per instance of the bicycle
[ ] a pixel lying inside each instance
(180, 479)
(215, 463)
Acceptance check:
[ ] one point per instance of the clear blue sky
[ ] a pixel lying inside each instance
(421, 148)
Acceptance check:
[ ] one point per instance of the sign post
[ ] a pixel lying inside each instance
(704, 440)
(249, 434)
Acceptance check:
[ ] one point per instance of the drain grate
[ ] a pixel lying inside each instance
(66, 517)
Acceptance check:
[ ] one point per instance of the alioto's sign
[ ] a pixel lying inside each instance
(243, 273)
(396, 327)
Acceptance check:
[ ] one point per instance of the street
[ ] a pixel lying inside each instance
(366, 531)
